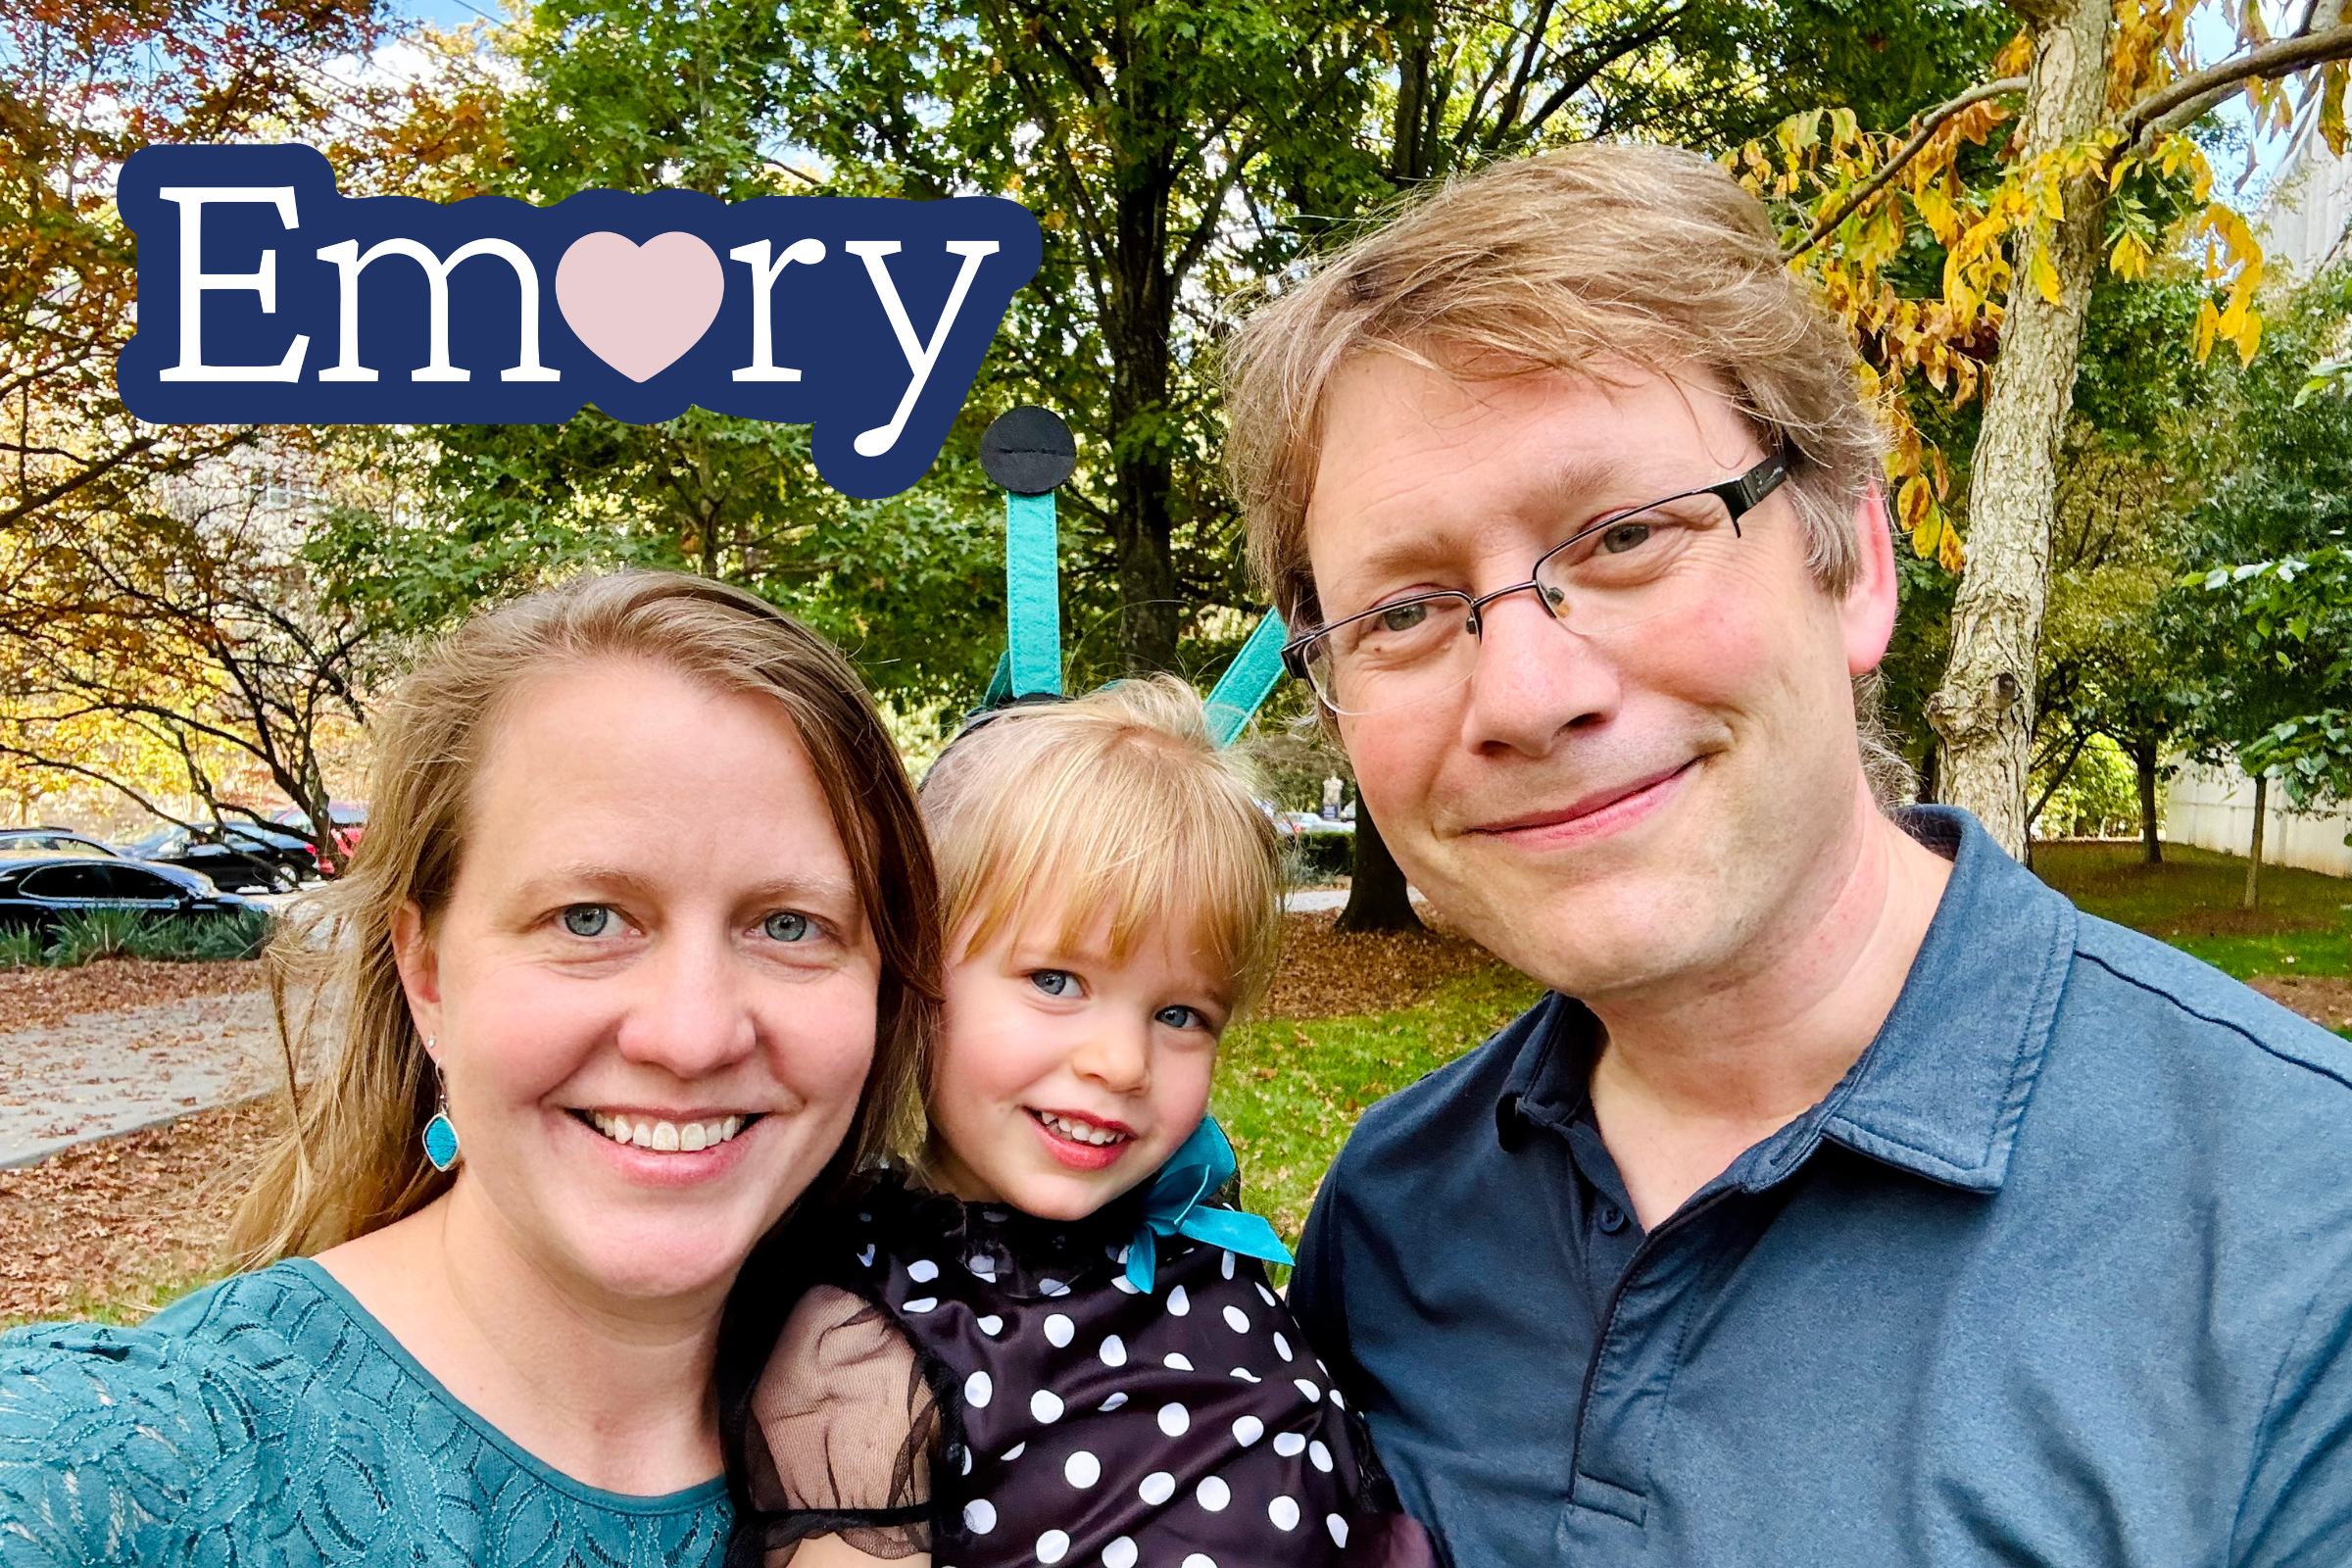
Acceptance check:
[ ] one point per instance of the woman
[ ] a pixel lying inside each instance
(639, 945)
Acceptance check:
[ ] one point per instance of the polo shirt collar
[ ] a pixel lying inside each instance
(1943, 1089)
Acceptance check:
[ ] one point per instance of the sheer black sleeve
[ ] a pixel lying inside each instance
(840, 1437)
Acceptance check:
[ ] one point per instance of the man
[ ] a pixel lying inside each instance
(1853, 1200)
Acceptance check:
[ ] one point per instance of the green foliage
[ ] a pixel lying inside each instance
(21, 950)
(2099, 796)
(86, 935)
(2283, 652)
(83, 937)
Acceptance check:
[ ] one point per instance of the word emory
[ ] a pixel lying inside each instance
(267, 297)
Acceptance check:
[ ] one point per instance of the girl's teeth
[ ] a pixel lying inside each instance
(664, 1137)
(1079, 1132)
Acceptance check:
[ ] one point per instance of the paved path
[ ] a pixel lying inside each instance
(97, 1074)
(1310, 899)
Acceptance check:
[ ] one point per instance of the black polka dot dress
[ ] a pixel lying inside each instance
(987, 1386)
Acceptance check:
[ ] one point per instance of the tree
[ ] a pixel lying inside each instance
(2098, 158)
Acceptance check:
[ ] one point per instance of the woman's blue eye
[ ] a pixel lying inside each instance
(1054, 982)
(787, 926)
(587, 919)
(1178, 1017)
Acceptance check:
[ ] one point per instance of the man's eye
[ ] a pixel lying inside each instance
(787, 926)
(1054, 982)
(587, 919)
(1617, 539)
(1403, 617)
(1179, 1017)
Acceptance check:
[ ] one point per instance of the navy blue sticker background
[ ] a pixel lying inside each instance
(828, 318)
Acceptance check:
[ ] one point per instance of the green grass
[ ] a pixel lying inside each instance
(133, 1307)
(2303, 926)
(1289, 1091)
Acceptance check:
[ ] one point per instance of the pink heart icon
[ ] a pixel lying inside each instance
(639, 307)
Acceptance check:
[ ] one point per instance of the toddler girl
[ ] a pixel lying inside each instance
(1055, 1341)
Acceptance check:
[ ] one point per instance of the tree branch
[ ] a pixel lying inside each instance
(1895, 166)
(2161, 113)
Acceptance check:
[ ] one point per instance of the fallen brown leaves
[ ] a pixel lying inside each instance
(105, 1226)
(1327, 975)
(35, 998)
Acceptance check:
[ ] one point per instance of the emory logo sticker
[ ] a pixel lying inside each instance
(267, 297)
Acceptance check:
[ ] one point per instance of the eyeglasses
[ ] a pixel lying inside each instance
(1621, 570)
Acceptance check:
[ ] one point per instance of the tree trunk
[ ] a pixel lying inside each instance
(1138, 319)
(1378, 898)
(1984, 711)
(2262, 801)
(2143, 761)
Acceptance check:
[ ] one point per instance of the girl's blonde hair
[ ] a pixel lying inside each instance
(1117, 806)
(353, 1160)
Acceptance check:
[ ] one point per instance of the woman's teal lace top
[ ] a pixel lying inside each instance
(268, 1420)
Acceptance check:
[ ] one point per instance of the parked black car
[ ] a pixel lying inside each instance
(38, 890)
(234, 856)
(56, 840)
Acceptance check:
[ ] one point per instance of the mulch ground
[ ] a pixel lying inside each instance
(2326, 1000)
(1327, 975)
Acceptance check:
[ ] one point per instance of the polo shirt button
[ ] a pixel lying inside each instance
(1612, 1219)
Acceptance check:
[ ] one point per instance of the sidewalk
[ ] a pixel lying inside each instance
(97, 1074)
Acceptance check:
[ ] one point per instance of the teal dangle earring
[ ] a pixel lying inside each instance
(440, 1135)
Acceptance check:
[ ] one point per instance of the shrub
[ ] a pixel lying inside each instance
(21, 950)
(84, 935)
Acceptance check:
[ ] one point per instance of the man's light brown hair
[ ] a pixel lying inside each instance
(1117, 807)
(1596, 253)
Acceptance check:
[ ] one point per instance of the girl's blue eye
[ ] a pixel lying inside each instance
(1054, 982)
(1178, 1017)
(587, 919)
(787, 926)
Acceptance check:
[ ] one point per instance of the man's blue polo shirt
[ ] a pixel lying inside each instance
(2060, 1273)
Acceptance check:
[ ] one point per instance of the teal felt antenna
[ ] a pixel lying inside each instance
(1248, 681)
(1029, 452)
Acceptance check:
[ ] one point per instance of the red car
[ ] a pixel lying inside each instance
(350, 820)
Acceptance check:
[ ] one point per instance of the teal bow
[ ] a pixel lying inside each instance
(1178, 1204)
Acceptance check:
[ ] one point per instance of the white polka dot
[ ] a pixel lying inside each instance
(1179, 1304)
(866, 1260)
(1114, 1352)
(1199, 1561)
(1051, 1288)
(985, 1266)
(1113, 1403)
(978, 1391)
(1082, 1469)
(1213, 1495)
(1247, 1430)
(922, 1303)
(1333, 1395)
(1281, 1346)
(922, 1271)
(979, 1516)
(1314, 1396)
(1237, 1320)
(967, 1461)
(1321, 1456)
(1012, 1453)
(1246, 1376)
(1175, 1420)
(1052, 1547)
(1178, 1362)
(995, 1216)
(1268, 1295)
(1290, 1445)
(1125, 1285)
(1284, 1511)
(1227, 1266)
(1338, 1528)
(1060, 1331)
(1044, 1406)
(1157, 1488)
(991, 1325)
(1121, 1553)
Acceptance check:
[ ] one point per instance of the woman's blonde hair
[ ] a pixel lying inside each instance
(353, 1160)
(1594, 254)
(1117, 807)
